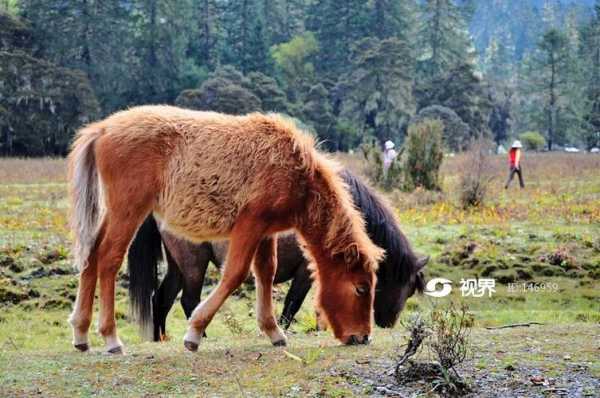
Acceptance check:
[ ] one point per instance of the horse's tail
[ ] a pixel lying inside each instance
(143, 257)
(86, 194)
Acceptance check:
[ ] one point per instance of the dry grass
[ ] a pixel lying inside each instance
(538, 168)
(517, 226)
(563, 186)
(32, 170)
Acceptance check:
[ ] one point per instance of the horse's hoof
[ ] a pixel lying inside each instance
(280, 343)
(83, 347)
(190, 346)
(115, 350)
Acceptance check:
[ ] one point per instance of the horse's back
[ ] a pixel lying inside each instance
(206, 167)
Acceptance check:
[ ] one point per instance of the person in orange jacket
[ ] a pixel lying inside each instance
(514, 160)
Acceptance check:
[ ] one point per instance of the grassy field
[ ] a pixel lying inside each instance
(546, 236)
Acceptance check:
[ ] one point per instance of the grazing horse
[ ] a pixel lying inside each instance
(208, 176)
(398, 276)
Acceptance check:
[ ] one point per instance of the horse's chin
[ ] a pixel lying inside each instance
(385, 321)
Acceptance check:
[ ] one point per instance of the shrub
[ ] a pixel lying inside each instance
(220, 95)
(374, 171)
(450, 342)
(446, 334)
(533, 140)
(456, 132)
(423, 155)
(477, 173)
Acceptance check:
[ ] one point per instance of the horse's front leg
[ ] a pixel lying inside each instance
(246, 235)
(264, 267)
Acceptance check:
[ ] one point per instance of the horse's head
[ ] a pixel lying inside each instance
(392, 291)
(345, 296)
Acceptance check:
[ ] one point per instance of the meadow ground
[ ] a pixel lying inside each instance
(546, 236)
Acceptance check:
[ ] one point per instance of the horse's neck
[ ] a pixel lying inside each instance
(321, 228)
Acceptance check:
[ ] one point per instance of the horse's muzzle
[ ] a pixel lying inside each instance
(354, 340)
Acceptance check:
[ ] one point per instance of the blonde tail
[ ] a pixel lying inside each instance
(85, 190)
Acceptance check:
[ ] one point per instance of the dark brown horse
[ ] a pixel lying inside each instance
(398, 276)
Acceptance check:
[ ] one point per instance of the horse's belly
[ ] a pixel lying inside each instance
(196, 231)
(199, 216)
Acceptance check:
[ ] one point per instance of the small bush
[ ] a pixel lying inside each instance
(477, 174)
(374, 157)
(232, 323)
(450, 335)
(532, 140)
(423, 155)
(446, 333)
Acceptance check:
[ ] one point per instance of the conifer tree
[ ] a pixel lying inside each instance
(444, 37)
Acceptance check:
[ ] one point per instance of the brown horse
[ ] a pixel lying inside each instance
(399, 274)
(208, 176)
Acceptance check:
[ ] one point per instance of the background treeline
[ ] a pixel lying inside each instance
(351, 71)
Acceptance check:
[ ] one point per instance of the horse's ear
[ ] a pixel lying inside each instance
(351, 255)
(422, 262)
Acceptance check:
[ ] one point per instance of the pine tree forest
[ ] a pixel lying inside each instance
(349, 71)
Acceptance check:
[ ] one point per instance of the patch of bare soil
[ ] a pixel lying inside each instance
(545, 361)
(377, 379)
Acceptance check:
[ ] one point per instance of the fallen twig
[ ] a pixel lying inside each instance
(513, 325)
(294, 357)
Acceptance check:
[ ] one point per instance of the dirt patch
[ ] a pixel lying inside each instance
(11, 293)
(56, 304)
(6, 261)
(50, 256)
(560, 257)
(511, 381)
(43, 272)
(458, 254)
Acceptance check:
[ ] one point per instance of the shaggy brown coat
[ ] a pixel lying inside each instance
(207, 176)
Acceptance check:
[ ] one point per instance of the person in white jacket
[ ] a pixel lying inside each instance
(389, 154)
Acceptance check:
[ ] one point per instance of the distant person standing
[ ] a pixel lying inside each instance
(389, 154)
(514, 160)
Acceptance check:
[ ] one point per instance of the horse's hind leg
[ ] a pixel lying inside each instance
(81, 317)
(193, 267)
(245, 237)
(165, 296)
(301, 284)
(114, 241)
(264, 267)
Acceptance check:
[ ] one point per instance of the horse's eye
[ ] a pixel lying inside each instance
(361, 290)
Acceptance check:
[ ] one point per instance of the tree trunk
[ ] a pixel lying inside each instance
(152, 59)
(86, 54)
(552, 107)
(435, 39)
(205, 51)
(8, 140)
(244, 38)
(380, 18)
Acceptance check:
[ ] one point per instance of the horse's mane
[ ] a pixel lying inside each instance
(330, 204)
(400, 261)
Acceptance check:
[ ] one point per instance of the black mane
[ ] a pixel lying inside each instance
(400, 261)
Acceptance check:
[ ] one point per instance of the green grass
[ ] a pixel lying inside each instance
(514, 235)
